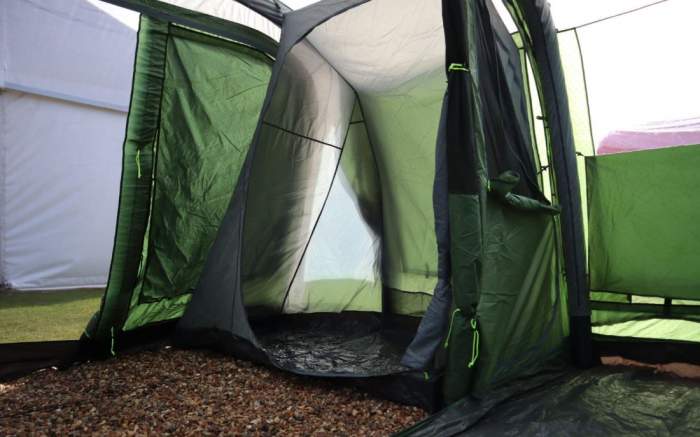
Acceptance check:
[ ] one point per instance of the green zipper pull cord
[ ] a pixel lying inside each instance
(475, 343)
(457, 67)
(426, 375)
(111, 347)
(138, 163)
(449, 331)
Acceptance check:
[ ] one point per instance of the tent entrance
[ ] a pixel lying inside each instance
(339, 251)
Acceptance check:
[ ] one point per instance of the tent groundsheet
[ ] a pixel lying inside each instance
(599, 401)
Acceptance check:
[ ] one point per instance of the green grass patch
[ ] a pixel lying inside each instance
(46, 315)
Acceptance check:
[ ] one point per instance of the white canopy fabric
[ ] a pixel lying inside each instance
(65, 83)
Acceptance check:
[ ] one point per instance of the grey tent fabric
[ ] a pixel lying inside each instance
(222, 278)
(307, 120)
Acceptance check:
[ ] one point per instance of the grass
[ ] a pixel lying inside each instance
(47, 315)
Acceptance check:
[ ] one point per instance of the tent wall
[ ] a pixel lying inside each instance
(64, 87)
(398, 115)
(643, 261)
(71, 50)
(195, 103)
(638, 241)
(504, 252)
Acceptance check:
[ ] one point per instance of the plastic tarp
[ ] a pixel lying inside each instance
(64, 89)
(601, 401)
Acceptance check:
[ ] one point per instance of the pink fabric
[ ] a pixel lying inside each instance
(652, 136)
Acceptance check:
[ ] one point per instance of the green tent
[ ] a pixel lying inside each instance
(351, 202)
(389, 194)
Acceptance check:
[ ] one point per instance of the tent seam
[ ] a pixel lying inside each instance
(267, 123)
(619, 14)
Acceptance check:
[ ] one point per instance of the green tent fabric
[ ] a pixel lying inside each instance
(643, 222)
(392, 195)
(643, 219)
(195, 104)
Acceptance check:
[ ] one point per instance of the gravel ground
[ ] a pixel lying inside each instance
(191, 392)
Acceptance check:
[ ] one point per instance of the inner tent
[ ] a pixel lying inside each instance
(338, 255)
(329, 260)
(349, 227)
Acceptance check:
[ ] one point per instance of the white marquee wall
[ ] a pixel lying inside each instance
(65, 80)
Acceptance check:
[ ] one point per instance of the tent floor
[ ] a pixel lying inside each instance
(599, 401)
(349, 344)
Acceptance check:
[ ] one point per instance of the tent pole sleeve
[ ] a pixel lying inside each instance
(535, 23)
(136, 182)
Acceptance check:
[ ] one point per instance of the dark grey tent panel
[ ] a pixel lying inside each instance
(600, 401)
